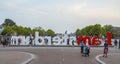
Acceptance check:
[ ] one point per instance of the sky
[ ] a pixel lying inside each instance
(61, 15)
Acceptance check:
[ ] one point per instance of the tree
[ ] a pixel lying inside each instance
(40, 30)
(108, 28)
(103, 31)
(97, 30)
(83, 31)
(91, 30)
(7, 30)
(78, 32)
(50, 32)
(87, 30)
(9, 22)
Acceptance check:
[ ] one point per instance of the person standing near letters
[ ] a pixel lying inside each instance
(105, 49)
(115, 43)
(119, 43)
(82, 46)
(30, 43)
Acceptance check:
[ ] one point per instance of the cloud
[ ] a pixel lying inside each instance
(76, 7)
(82, 10)
(11, 4)
(86, 11)
(33, 11)
(102, 13)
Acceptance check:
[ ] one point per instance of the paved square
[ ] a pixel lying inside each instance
(64, 55)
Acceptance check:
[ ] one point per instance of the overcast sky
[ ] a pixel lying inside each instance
(61, 15)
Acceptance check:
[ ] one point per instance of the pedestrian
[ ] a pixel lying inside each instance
(103, 38)
(0, 42)
(105, 49)
(5, 42)
(115, 43)
(19, 41)
(31, 39)
(86, 50)
(82, 46)
(119, 43)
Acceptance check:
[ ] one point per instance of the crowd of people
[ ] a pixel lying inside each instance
(5, 42)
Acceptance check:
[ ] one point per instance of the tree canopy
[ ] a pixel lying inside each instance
(9, 22)
(97, 29)
(10, 28)
(50, 32)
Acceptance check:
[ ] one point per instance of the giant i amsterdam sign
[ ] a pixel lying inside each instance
(60, 41)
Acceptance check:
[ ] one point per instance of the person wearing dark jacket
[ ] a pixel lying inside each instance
(115, 43)
(105, 49)
(82, 46)
(119, 43)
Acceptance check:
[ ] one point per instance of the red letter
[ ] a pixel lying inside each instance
(85, 40)
(109, 36)
(96, 41)
(79, 39)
